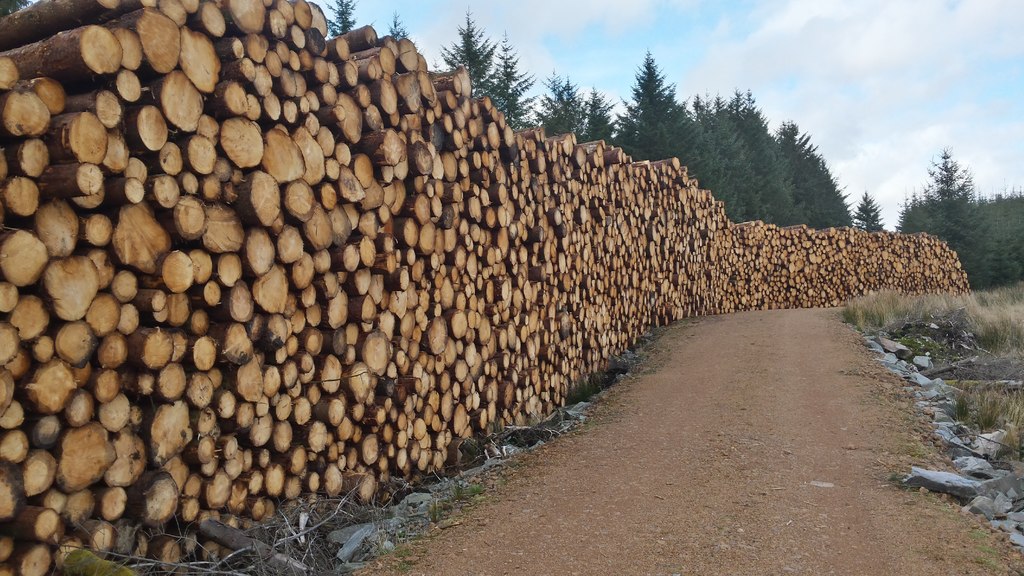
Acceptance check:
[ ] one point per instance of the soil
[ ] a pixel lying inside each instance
(755, 443)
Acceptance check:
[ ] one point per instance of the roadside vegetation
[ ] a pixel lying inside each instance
(976, 342)
(989, 322)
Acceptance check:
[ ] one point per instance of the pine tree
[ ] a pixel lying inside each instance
(598, 123)
(1003, 218)
(868, 215)
(474, 51)
(561, 111)
(396, 30)
(915, 215)
(344, 17)
(949, 209)
(648, 128)
(767, 183)
(509, 86)
(12, 6)
(817, 199)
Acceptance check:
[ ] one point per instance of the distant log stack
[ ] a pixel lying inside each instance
(241, 261)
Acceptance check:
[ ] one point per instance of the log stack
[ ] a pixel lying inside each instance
(241, 261)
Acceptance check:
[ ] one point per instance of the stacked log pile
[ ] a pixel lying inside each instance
(241, 261)
(799, 267)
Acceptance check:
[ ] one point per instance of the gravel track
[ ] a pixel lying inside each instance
(755, 443)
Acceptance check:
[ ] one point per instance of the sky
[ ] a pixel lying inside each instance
(882, 86)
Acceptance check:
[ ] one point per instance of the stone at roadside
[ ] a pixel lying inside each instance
(1004, 525)
(348, 551)
(1002, 505)
(954, 445)
(342, 536)
(1017, 539)
(945, 482)
(940, 386)
(982, 505)
(920, 379)
(874, 346)
(578, 409)
(923, 362)
(1009, 485)
(977, 468)
(990, 444)
(901, 351)
(415, 504)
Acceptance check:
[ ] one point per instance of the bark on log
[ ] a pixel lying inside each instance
(71, 56)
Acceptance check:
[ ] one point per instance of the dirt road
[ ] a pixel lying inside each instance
(757, 443)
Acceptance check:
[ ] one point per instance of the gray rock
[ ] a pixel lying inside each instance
(349, 567)
(1017, 517)
(1004, 525)
(920, 379)
(1017, 539)
(941, 416)
(875, 347)
(983, 506)
(943, 389)
(415, 504)
(1001, 486)
(981, 469)
(354, 542)
(578, 408)
(890, 359)
(990, 444)
(901, 351)
(923, 362)
(975, 467)
(945, 482)
(342, 536)
(954, 445)
(1003, 504)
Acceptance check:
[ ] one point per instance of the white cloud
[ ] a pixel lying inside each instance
(882, 86)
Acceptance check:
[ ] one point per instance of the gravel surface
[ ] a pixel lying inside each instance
(756, 443)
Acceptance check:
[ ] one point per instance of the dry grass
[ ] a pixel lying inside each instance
(994, 317)
(988, 324)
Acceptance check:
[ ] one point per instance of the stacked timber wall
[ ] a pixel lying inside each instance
(240, 262)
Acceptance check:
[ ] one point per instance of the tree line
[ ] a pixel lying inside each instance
(987, 233)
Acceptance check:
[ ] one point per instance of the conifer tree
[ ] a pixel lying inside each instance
(868, 215)
(648, 128)
(561, 111)
(397, 30)
(598, 123)
(817, 199)
(344, 17)
(474, 51)
(509, 86)
(949, 209)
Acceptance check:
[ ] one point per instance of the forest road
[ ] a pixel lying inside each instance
(755, 443)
